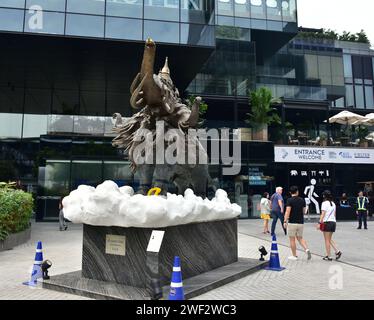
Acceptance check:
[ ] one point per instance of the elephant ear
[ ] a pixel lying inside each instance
(194, 116)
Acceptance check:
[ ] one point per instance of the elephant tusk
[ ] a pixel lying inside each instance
(135, 93)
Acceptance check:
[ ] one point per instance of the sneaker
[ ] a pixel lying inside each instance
(293, 258)
(338, 255)
(309, 254)
(327, 258)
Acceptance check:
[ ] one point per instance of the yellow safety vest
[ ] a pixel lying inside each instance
(361, 205)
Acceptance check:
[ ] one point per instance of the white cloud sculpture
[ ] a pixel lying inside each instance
(109, 205)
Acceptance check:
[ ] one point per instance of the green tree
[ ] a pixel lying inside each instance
(262, 110)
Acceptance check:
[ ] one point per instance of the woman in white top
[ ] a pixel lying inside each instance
(265, 211)
(327, 224)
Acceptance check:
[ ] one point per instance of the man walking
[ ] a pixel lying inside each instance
(294, 222)
(277, 209)
(362, 210)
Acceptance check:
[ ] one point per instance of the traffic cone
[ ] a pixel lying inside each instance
(36, 272)
(176, 285)
(274, 263)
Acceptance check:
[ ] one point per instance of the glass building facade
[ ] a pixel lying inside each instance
(66, 67)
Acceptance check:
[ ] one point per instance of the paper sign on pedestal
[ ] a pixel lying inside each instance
(155, 242)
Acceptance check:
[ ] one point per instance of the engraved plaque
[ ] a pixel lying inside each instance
(115, 244)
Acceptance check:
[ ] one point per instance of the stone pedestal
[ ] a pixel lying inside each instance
(201, 246)
(208, 252)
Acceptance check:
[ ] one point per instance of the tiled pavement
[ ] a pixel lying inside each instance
(315, 279)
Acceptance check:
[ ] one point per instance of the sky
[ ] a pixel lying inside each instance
(338, 15)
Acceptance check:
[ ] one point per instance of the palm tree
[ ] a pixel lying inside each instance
(263, 114)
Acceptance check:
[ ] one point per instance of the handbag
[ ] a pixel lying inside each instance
(322, 225)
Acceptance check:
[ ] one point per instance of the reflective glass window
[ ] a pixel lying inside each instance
(324, 69)
(258, 24)
(92, 103)
(226, 7)
(337, 71)
(10, 125)
(124, 8)
(86, 172)
(118, 171)
(274, 25)
(311, 66)
(196, 34)
(122, 28)
(56, 179)
(359, 93)
(243, 23)
(258, 9)
(52, 5)
(161, 31)
(65, 102)
(118, 102)
(38, 101)
(161, 10)
(349, 96)
(91, 125)
(225, 21)
(84, 25)
(273, 9)
(289, 10)
(368, 68)
(369, 97)
(12, 3)
(60, 124)
(347, 59)
(242, 8)
(11, 99)
(34, 125)
(197, 11)
(44, 22)
(339, 103)
(11, 20)
(86, 6)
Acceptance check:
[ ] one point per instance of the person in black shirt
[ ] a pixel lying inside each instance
(294, 222)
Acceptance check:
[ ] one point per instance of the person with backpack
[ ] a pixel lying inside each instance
(327, 224)
(362, 204)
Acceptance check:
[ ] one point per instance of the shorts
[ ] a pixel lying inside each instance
(265, 216)
(295, 230)
(330, 226)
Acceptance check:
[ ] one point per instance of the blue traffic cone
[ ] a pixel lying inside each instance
(36, 272)
(176, 285)
(274, 263)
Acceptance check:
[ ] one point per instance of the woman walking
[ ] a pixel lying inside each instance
(327, 224)
(265, 211)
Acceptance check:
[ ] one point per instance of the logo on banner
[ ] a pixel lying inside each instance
(362, 155)
(345, 155)
(332, 155)
(284, 154)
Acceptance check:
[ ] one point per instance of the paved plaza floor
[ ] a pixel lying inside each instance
(351, 278)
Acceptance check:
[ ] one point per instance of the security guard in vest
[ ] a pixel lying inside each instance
(362, 210)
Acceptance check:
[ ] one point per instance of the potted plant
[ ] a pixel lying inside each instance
(263, 114)
(16, 208)
(323, 139)
(362, 133)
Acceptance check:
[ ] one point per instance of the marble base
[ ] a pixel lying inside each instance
(74, 283)
(201, 246)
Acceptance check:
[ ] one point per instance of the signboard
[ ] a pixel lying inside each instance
(302, 154)
(115, 244)
(256, 177)
(155, 242)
